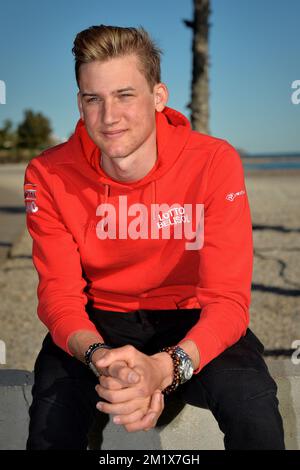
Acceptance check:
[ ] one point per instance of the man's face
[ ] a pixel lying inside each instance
(117, 105)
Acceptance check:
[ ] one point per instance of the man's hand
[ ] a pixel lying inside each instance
(119, 369)
(123, 377)
(145, 411)
(156, 373)
(144, 415)
(136, 401)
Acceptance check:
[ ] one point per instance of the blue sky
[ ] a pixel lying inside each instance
(254, 57)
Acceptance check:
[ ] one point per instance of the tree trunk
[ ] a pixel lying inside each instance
(200, 82)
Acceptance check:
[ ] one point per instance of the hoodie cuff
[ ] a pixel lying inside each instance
(207, 343)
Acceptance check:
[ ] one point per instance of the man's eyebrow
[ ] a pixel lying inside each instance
(121, 90)
(129, 88)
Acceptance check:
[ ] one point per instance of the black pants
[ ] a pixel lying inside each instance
(236, 386)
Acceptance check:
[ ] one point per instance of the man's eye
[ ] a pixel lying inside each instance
(125, 95)
(94, 98)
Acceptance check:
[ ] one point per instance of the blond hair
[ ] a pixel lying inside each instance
(106, 42)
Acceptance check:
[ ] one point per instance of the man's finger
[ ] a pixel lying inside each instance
(129, 419)
(149, 420)
(157, 402)
(110, 383)
(125, 408)
(120, 396)
(104, 370)
(122, 372)
(124, 353)
(146, 423)
(155, 409)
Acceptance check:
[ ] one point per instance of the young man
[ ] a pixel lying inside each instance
(143, 244)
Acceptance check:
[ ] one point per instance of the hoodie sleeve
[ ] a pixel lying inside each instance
(226, 258)
(55, 255)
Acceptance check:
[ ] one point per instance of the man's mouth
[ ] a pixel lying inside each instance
(114, 134)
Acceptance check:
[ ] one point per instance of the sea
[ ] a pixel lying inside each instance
(279, 161)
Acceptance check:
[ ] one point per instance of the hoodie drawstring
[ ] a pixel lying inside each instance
(106, 193)
(153, 197)
(105, 200)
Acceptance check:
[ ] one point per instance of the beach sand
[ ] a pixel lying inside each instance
(275, 310)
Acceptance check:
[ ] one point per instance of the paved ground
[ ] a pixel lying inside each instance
(275, 309)
(20, 328)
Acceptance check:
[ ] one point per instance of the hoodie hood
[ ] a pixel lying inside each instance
(172, 129)
(172, 132)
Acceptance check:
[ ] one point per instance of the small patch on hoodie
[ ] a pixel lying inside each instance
(231, 196)
(30, 193)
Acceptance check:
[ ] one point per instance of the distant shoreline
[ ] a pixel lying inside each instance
(271, 163)
(248, 170)
(276, 172)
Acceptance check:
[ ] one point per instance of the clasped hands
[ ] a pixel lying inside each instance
(132, 383)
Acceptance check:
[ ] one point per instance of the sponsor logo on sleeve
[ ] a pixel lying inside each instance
(231, 196)
(30, 193)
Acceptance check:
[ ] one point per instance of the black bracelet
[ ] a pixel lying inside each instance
(92, 348)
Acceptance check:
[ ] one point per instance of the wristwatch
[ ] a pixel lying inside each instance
(182, 367)
(185, 365)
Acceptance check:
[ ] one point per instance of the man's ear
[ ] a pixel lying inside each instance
(161, 95)
(79, 103)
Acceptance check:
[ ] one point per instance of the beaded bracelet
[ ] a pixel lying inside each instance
(176, 376)
(92, 348)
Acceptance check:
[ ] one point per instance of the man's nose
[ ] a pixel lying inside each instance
(110, 113)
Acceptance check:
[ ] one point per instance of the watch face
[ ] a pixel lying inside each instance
(185, 367)
(188, 371)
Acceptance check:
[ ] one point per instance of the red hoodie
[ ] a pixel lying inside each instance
(78, 257)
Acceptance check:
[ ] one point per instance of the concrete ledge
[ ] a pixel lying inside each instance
(15, 399)
(191, 428)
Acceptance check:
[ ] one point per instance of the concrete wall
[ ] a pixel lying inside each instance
(191, 428)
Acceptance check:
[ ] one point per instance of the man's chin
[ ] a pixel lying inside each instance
(114, 154)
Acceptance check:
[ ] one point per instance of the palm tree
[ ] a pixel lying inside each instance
(200, 82)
